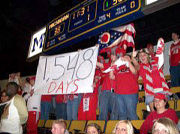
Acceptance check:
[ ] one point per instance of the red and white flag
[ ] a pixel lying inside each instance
(123, 35)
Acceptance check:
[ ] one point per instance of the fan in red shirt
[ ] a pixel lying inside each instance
(151, 72)
(126, 90)
(162, 110)
(107, 95)
(174, 60)
(88, 105)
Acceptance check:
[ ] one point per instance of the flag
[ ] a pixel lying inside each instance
(118, 36)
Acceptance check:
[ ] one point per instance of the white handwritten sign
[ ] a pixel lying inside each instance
(66, 73)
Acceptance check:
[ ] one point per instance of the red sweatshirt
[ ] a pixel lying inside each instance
(148, 123)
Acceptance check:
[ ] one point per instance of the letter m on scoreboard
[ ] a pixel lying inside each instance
(36, 44)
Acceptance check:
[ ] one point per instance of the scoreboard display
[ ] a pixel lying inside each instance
(89, 18)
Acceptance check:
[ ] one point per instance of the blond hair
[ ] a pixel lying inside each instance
(144, 50)
(128, 125)
(60, 122)
(167, 123)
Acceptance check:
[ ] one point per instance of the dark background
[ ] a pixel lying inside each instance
(19, 19)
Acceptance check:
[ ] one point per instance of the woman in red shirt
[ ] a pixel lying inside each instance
(162, 110)
(150, 69)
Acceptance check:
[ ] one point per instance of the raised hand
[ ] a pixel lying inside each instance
(134, 53)
(160, 46)
(159, 52)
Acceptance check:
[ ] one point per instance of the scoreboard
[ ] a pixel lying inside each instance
(89, 18)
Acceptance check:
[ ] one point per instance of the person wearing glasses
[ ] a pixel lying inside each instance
(123, 127)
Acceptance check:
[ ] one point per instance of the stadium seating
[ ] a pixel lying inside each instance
(107, 128)
(140, 108)
(171, 104)
(175, 89)
(41, 127)
(41, 123)
(48, 126)
(68, 122)
(77, 126)
(178, 105)
(110, 126)
(141, 94)
(49, 123)
(137, 123)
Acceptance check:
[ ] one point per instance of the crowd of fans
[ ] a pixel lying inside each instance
(161, 126)
(115, 94)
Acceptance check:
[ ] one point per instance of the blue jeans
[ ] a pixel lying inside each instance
(45, 110)
(72, 108)
(175, 76)
(107, 105)
(126, 106)
(61, 111)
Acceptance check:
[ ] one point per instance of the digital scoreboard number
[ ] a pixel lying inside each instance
(87, 19)
(83, 16)
(108, 4)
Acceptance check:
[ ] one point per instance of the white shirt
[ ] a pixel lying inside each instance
(33, 102)
(12, 123)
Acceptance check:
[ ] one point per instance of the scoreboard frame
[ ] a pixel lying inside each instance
(88, 30)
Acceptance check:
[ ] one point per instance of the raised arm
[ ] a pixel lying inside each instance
(159, 52)
(100, 65)
(134, 61)
(130, 65)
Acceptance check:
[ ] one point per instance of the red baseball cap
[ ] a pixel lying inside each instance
(160, 96)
